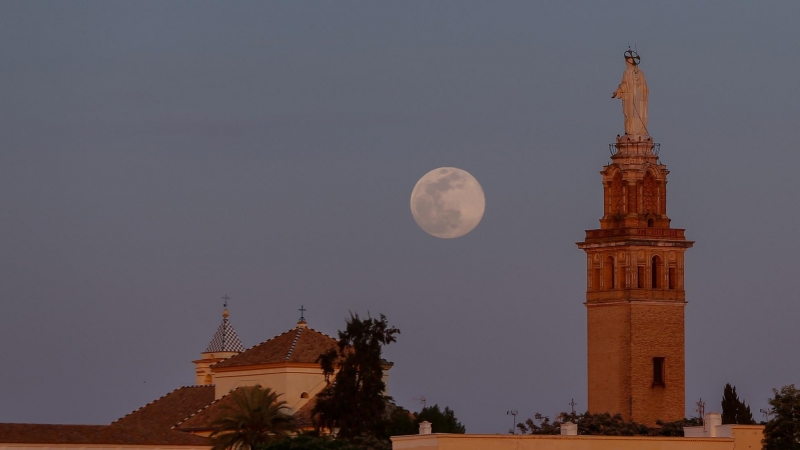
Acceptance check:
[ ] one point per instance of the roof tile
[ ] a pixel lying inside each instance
(300, 345)
(165, 412)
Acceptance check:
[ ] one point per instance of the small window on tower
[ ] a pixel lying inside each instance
(658, 371)
(596, 279)
(672, 278)
(655, 269)
(304, 395)
(608, 270)
(640, 277)
(650, 223)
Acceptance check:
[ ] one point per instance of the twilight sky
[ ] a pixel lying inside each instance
(155, 156)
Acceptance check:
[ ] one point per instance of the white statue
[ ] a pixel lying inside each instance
(633, 92)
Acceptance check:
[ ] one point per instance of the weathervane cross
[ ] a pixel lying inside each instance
(226, 298)
(302, 313)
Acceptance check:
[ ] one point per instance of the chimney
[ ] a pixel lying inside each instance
(710, 423)
(569, 429)
(425, 427)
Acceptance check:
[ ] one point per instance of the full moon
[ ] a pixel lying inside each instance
(447, 202)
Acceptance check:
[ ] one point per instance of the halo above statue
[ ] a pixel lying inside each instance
(633, 56)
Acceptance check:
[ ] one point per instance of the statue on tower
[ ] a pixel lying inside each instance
(633, 92)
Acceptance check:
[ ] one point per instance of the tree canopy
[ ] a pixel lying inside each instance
(734, 410)
(782, 431)
(354, 400)
(400, 421)
(256, 418)
(441, 421)
(309, 442)
(603, 424)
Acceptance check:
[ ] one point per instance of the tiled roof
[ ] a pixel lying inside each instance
(149, 425)
(300, 345)
(165, 412)
(34, 433)
(202, 420)
(225, 339)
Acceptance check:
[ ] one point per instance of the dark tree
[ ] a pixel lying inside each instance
(256, 418)
(401, 422)
(539, 425)
(354, 401)
(730, 404)
(734, 410)
(782, 432)
(441, 421)
(675, 429)
(308, 442)
(604, 424)
(744, 416)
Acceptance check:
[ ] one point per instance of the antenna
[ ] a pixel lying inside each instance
(422, 400)
(701, 409)
(767, 414)
(513, 413)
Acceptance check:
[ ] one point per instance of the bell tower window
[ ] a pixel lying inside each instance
(671, 278)
(608, 271)
(655, 273)
(596, 279)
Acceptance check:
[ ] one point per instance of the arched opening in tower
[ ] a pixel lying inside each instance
(608, 271)
(655, 269)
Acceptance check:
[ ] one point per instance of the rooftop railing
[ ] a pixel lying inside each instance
(655, 148)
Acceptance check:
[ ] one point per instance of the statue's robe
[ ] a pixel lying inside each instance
(633, 92)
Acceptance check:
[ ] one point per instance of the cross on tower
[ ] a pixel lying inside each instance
(572, 403)
(302, 313)
(226, 298)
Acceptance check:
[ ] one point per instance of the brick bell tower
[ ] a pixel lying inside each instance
(635, 297)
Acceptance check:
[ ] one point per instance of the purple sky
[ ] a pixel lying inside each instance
(157, 155)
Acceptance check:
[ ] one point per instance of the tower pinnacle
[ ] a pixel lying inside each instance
(225, 339)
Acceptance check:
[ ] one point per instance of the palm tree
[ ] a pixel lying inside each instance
(253, 418)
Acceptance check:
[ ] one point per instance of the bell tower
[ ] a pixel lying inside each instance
(635, 296)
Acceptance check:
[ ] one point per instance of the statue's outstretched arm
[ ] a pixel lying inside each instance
(618, 92)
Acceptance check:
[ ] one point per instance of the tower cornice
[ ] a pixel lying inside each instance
(651, 237)
(681, 303)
